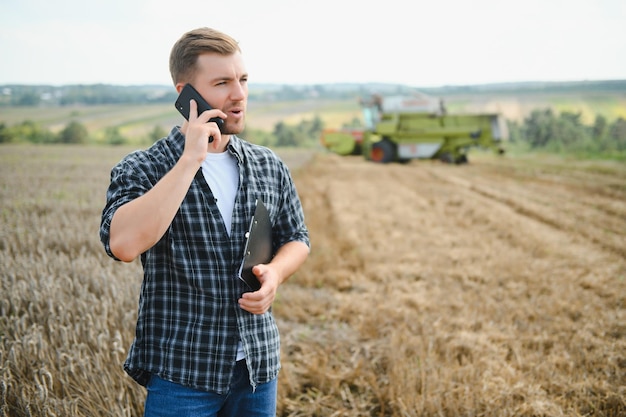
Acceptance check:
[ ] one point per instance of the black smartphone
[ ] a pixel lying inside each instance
(182, 105)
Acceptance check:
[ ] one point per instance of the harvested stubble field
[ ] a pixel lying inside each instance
(496, 288)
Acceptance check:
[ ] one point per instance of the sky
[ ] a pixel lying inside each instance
(411, 42)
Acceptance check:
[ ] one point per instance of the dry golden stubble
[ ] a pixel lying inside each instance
(495, 288)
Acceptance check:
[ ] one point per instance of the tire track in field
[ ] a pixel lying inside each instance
(597, 184)
(565, 207)
(331, 238)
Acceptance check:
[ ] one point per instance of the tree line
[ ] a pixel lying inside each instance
(95, 94)
(565, 132)
(306, 133)
(73, 133)
(98, 94)
(543, 130)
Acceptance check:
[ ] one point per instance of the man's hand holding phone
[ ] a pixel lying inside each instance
(203, 122)
(200, 132)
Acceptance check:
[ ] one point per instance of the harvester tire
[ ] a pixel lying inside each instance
(383, 151)
(447, 157)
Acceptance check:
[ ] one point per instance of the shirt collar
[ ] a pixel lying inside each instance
(235, 145)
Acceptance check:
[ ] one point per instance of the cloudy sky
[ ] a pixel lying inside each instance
(413, 42)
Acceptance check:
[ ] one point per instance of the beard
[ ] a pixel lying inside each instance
(234, 128)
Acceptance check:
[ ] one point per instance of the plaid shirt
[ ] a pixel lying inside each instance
(189, 321)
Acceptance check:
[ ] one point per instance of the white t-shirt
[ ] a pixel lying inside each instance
(221, 172)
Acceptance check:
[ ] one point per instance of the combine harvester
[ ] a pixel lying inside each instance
(401, 128)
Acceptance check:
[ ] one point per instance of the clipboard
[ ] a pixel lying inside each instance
(258, 248)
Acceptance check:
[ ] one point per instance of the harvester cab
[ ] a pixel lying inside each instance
(377, 106)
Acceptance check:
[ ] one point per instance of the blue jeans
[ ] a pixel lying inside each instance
(167, 399)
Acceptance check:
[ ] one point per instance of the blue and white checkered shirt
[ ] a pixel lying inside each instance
(189, 321)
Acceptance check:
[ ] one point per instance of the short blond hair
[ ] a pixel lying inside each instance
(185, 52)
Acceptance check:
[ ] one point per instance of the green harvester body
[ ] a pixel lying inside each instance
(403, 128)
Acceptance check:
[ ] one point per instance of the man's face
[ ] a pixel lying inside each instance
(223, 82)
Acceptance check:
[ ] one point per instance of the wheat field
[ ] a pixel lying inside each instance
(492, 289)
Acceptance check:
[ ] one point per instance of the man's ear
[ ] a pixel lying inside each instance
(179, 87)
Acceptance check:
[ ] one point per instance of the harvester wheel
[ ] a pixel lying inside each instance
(447, 157)
(383, 151)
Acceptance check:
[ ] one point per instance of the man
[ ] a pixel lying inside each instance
(205, 343)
